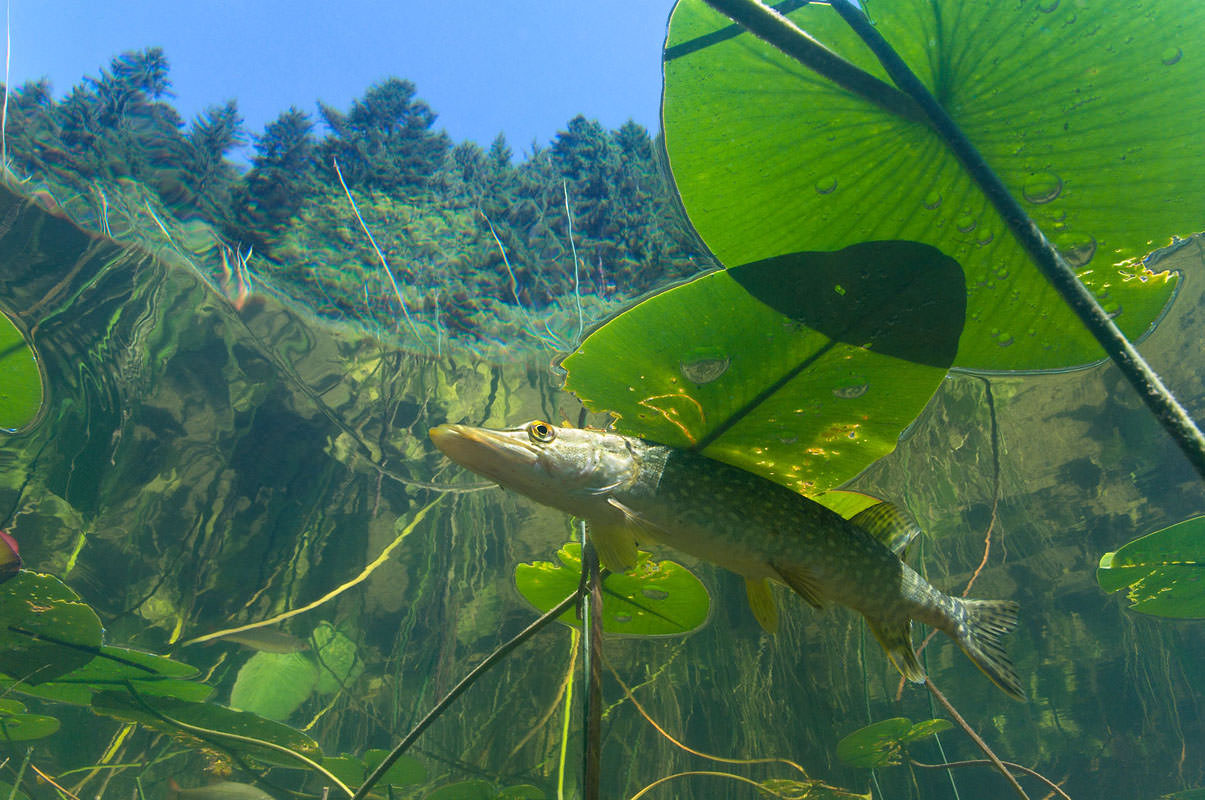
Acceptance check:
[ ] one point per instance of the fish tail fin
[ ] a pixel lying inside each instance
(981, 637)
(896, 638)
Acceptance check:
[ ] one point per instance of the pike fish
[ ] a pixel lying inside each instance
(628, 489)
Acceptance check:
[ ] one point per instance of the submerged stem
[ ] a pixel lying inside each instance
(977, 739)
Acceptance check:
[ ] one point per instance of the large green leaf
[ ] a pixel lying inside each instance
(45, 631)
(338, 663)
(654, 598)
(274, 685)
(879, 744)
(1089, 112)
(18, 726)
(20, 379)
(1163, 572)
(215, 719)
(150, 674)
(803, 368)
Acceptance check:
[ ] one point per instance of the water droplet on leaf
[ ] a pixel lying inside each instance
(1077, 248)
(826, 185)
(1171, 56)
(854, 387)
(966, 223)
(932, 200)
(1042, 187)
(704, 365)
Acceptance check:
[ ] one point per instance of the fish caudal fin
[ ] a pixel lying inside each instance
(896, 638)
(982, 639)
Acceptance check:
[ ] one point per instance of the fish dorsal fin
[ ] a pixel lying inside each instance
(888, 523)
(803, 582)
(616, 546)
(896, 638)
(761, 602)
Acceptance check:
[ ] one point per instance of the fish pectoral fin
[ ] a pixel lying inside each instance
(761, 602)
(896, 638)
(616, 546)
(633, 520)
(803, 583)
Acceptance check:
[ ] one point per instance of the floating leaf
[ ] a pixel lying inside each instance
(274, 685)
(20, 379)
(1103, 152)
(45, 631)
(879, 744)
(151, 674)
(214, 718)
(338, 664)
(654, 598)
(1164, 571)
(827, 358)
(26, 727)
(465, 790)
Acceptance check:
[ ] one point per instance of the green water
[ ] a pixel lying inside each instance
(202, 466)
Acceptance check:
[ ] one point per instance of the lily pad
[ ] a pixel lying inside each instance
(1163, 572)
(45, 630)
(150, 674)
(20, 379)
(274, 685)
(879, 744)
(654, 598)
(1103, 152)
(338, 663)
(217, 719)
(804, 369)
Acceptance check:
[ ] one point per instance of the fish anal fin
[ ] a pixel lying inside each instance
(896, 638)
(761, 602)
(889, 524)
(803, 583)
(616, 546)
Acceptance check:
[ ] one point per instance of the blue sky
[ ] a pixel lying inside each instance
(521, 67)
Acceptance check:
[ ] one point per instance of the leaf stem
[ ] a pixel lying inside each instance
(774, 28)
(1158, 398)
(977, 739)
(458, 689)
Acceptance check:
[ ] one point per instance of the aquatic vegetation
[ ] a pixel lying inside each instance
(22, 394)
(880, 743)
(654, 598)
(1161, 571)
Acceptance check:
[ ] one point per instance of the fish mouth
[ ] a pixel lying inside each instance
(487, 452)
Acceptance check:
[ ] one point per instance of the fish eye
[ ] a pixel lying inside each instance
(541, 431)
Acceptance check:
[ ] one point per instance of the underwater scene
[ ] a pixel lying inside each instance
(835, 440)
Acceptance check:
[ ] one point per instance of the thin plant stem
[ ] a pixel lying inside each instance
(977, 739)
(577, 283)
(457, 690)
(591, 666)
(983, 762)
(1158, 398)
(574, 646)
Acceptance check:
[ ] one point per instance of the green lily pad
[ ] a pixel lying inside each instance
(151, 674)
(216, 719)
(804, 369)
(23, 727)
(338, 663)
(465, 790)
(20, 379)
(274, 685)
(879, 744)
(45, 631)
(654, 598)
(1163, 572)
(1103, 152)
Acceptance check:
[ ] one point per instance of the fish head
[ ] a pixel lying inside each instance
(572, 469)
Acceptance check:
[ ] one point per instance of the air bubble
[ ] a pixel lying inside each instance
(985, 237)
(851, 390)
(932, 200)
(654, 594)
(705, 365)
(1077, 248)
(1047, 6)
(1042, 187)
(1171, 55)
(826, 185)
(966, 223)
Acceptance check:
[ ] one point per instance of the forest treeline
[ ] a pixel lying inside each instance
(468, 232)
